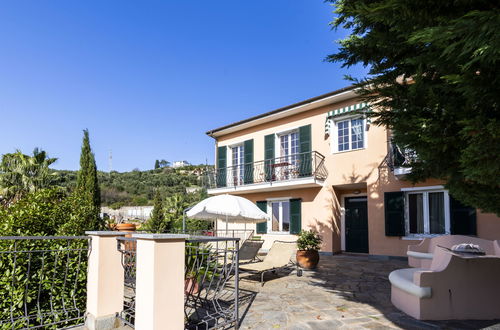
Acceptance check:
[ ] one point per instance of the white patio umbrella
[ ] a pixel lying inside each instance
(232, 208)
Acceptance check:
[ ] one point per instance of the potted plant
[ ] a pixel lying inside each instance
(308, 244)
(200, 264)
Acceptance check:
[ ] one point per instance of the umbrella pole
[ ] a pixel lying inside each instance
(226, 225)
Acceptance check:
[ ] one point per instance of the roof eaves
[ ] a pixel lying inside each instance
(313, 99)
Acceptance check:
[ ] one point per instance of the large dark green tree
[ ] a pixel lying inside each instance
(434, 72)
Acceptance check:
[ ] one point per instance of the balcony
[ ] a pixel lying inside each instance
(400, 159)
(300, 170)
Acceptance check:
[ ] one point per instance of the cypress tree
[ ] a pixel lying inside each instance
(157, 223)
(87, 176)
(87, 191)
(157, 164)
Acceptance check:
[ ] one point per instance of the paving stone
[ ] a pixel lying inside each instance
(324, 325)
(346, 292)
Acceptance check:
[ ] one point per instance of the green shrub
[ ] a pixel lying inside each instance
(309, 240)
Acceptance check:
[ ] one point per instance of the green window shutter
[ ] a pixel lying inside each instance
(295, 216)
(305, 167)
(394, 207)
(221, 166)
(462, 218)
(248, 151)
(269, 155)
(262, 227)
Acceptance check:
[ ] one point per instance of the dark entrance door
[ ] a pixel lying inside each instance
(356, 224)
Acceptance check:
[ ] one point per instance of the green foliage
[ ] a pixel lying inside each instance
(44, 212)
(157, 164)
(309, 240)
(133, 187)
(87, 175)
(78, 214)
(168, 213)
(85, 202)
(434, 74)
(21, 174)
(37, 281)
(164, 163)
(157, 223)
(35, 214)
(200, 262)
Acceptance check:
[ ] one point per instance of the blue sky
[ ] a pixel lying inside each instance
(148, 78)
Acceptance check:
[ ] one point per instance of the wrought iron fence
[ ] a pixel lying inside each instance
(301, 165)
(43, 281)
(128, 248)
(211, 287)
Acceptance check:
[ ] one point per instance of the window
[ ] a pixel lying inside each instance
(427, 212)
(280, 216)
(350, 135)
(237, 168)
(288, 147)
(289, 144)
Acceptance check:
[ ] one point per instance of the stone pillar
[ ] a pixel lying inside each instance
(159, 302)
(104, 281)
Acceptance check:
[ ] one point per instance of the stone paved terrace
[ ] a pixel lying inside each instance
(346, 292)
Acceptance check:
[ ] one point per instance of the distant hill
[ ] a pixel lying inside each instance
(137, 187)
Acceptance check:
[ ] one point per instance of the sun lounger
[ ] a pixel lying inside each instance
(280, 256)
(249, 250)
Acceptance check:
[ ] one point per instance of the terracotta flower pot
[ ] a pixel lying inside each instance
(191, 286)
(127, 227)
(130, 227)
(308, 259)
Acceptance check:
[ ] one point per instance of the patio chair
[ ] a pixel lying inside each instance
(249, 250)
(280, 257)
(456, 286)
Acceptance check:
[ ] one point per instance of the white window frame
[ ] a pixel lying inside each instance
(425, 191)
(270, 202)
(229, 157)
(277, 139)
(279, 172)
(335, 138)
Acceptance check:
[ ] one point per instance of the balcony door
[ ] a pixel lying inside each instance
(286, 165)
(237, 165)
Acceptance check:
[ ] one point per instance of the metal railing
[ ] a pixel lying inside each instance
(242, 234)
(400, 157)
(211, 283)
(127, 246)
(301, 165)
(43, 281)
(211, 286)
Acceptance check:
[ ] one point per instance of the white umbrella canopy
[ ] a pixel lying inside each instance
(232, 208)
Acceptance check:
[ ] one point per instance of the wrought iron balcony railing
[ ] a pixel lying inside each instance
(301, 165)
(400, 157)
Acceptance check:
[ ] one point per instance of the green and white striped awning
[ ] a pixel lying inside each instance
(342, 111)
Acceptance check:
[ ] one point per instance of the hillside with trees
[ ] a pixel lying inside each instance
(137, 188)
